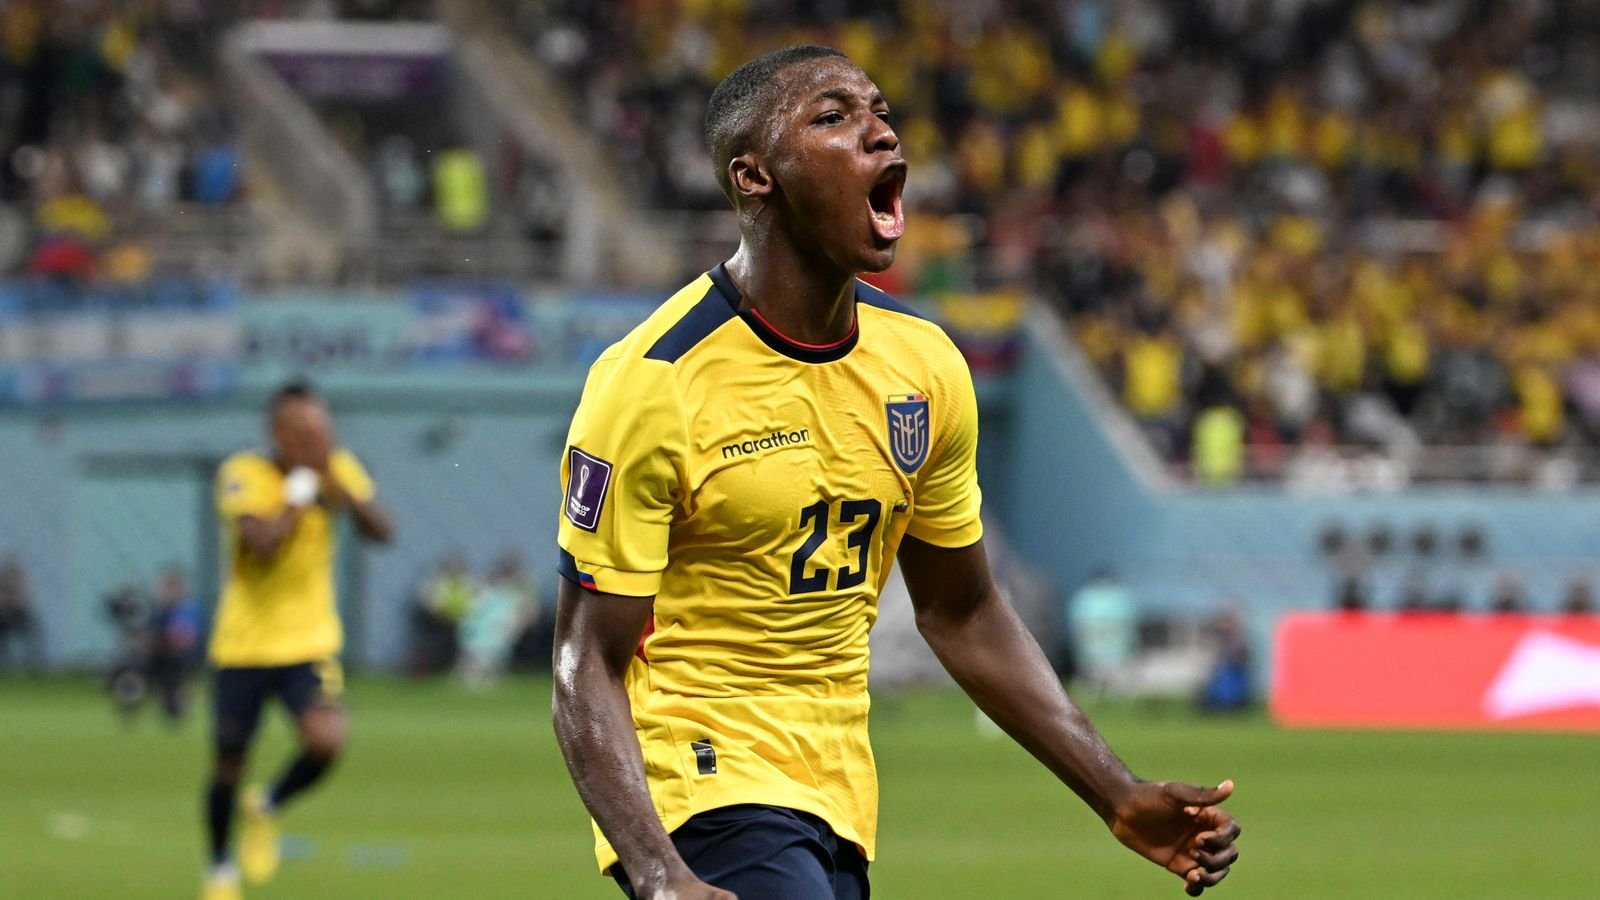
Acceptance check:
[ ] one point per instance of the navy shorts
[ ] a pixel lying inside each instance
(768, 853)
(239, 693)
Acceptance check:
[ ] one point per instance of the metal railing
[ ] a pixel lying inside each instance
(412, 245)
(1350, 469)
(205, 240)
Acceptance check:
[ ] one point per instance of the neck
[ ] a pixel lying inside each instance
(799, 299)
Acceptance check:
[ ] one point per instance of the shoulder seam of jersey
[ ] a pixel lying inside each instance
(708, 314)
(871, 296)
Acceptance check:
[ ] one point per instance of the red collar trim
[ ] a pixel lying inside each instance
(802, 344)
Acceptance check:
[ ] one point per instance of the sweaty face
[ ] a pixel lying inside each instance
(837, 164)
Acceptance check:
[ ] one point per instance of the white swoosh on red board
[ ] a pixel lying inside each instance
(1545, 672)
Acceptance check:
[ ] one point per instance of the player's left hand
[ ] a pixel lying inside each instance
(1180, 827)
(333, 492)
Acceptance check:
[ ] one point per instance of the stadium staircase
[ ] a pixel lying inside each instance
(610, 239)
(323, 219)
(316, 199)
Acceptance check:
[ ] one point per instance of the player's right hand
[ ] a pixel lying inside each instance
(690, 888)
(1182, 828)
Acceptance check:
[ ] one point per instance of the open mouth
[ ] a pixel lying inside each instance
(888, 217)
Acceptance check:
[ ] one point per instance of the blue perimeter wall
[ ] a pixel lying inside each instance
(96, 500)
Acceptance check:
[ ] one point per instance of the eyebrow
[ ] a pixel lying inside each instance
(845, 95)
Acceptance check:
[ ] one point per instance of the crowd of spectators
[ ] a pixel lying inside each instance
(114, 122)
(1273, 226)
(108, 119)
(1430, 570)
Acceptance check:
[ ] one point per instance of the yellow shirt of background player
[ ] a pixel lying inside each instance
(281, 611)
(759, 492)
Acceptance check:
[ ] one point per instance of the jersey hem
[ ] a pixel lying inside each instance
(269, 661)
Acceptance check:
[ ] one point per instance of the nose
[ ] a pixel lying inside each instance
(881, 137)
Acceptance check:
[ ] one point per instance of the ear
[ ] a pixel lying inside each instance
(749, 176)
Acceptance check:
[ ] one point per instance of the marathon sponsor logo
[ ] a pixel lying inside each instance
(775, 439)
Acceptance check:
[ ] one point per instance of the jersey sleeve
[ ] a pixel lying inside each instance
(620, 477)
(244, 490)
(352, 476)
(947, 499)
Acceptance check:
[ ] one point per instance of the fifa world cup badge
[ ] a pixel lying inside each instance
(588, 477)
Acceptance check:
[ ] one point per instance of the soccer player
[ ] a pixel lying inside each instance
(741, 472)
(174, 633)
(277, 631)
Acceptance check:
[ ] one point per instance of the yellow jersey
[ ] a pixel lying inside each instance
(281, 611)
(759, 488)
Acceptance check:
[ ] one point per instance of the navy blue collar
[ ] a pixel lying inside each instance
(809, 353)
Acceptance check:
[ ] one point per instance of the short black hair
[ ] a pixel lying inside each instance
(731, 114)
(298, 389)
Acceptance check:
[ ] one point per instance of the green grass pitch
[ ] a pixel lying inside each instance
(447, 794)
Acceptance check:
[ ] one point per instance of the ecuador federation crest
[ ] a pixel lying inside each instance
(908, 430)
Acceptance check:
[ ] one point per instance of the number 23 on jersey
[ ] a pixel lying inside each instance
(858, 519)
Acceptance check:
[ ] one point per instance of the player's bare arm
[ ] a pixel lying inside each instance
(981, 641)
(372, 521)
(263, 537)
(596, 635)
(371, 518)
(315, 446)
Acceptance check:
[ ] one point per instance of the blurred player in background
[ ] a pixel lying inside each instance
(17, 619)
(174, 641)
(277, 632)
(741, 472)
(157, 646)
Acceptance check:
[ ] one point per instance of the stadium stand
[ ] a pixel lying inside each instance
(118, 150)
(148, 139)
(1283, 237)
(1275, 228)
